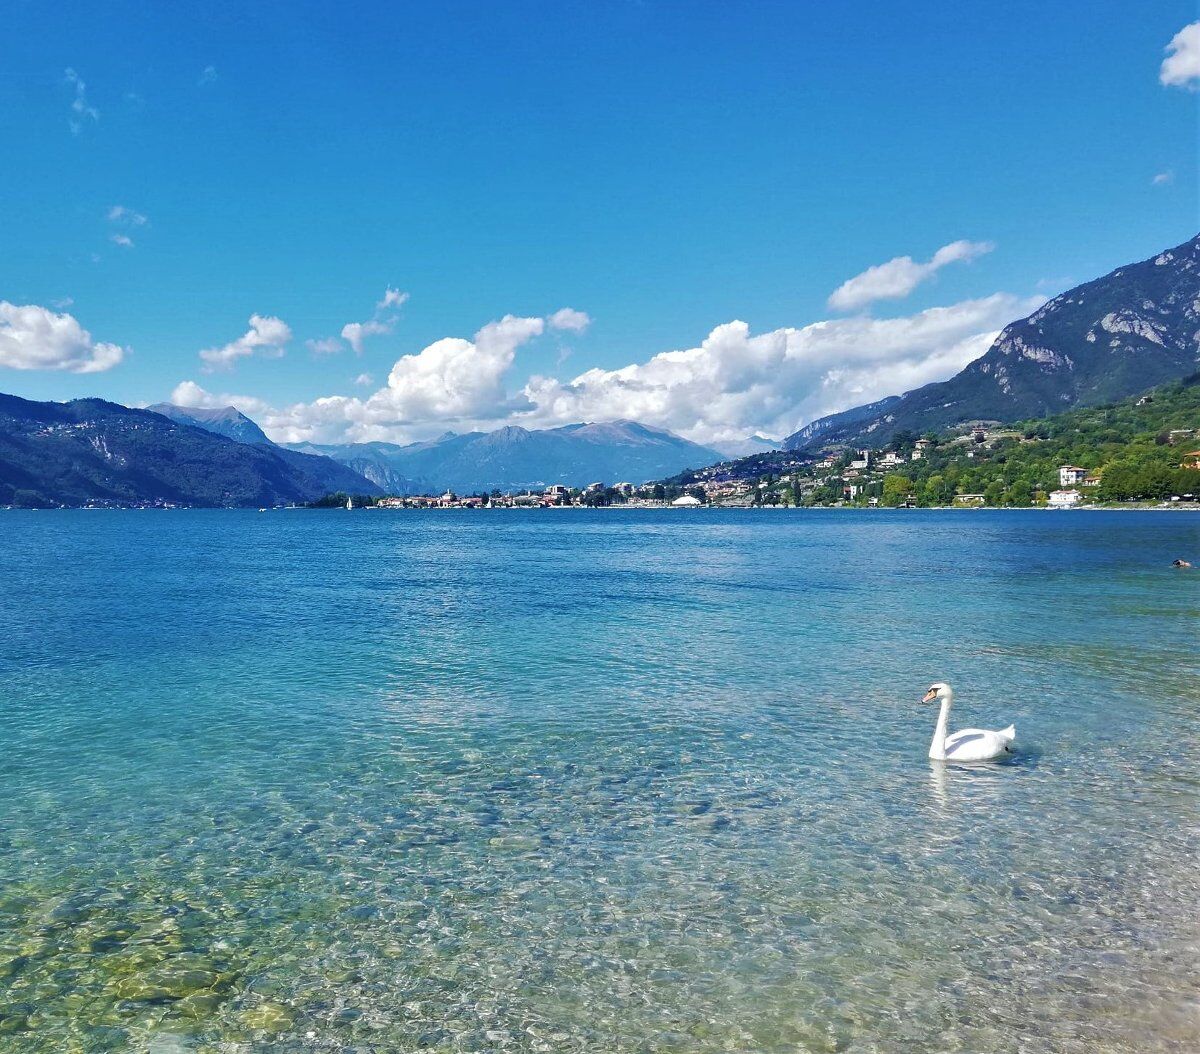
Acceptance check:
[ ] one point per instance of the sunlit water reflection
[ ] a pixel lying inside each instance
(596, 782)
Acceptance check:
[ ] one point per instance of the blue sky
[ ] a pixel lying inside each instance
(666, 169)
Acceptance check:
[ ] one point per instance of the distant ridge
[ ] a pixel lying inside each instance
(1118, 335)
(91, 451)
(515, 458)
(226, 421)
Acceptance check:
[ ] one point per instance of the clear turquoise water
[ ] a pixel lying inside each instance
(598, 782)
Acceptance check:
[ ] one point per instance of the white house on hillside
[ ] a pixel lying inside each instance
(1064, 499)
(1069, 475)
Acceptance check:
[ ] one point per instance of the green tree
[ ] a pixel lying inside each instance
(895, 489)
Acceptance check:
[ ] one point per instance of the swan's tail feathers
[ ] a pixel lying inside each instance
(1009, 733)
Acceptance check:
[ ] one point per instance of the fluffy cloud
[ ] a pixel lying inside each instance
(123, 240)
(736, 383)
(733, 384)
(324, 346)
(35, 338)
(267, 335)
(354, 333)
(81, 110)
(900, 276)
(391, 298)
(1163, 178)
(452, 382)
(1181, 67)
(189, 393)
(567, 318)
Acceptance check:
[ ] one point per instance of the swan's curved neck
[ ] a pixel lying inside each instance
(937, 749)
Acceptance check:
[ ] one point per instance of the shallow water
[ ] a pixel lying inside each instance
(606, 782)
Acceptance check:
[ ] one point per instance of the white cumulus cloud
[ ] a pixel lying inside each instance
(567, 318)
(123, 240)
(453, 382)
(354, 333)
(1163, 178)
(735, 383)
(36, 338)
(190, 394)
(267, 335)
(1181, 67)
(900, 276)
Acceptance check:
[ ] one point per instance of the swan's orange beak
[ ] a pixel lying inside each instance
(930, 696)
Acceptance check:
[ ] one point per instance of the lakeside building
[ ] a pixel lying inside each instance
(1069, 475)
(1064, 499)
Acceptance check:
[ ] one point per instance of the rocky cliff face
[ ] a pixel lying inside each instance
(1116, 336)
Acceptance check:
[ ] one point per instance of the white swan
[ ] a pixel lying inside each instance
(970, 744)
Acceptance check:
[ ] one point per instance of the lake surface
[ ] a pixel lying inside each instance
(596, 781)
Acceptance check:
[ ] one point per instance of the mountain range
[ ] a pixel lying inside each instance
(1112, 337)
(516, 458)
(91, 451)
(1119, 335)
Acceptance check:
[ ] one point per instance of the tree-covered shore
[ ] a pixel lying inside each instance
(1139, 449)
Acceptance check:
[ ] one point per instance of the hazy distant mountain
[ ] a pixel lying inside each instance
(226, 421)
(755, 444)
(515, 458)
(376, 461)
(90, 450)
(1116, 336)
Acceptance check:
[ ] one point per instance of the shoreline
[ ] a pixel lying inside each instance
(1192, 507)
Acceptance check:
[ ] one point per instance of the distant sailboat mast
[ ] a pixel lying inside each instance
(349, 504)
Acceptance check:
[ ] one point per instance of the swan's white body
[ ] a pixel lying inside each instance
(968, 744)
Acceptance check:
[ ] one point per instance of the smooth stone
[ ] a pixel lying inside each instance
(173, 979)
(267, 1017)
(199, 1005)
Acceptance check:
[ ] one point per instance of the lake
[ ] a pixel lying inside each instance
(596, 781)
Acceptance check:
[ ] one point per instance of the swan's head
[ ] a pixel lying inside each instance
(939, 692)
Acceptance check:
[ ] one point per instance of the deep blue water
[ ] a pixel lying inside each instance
(596, 781)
